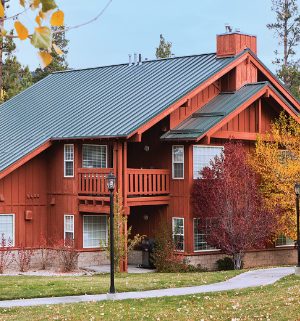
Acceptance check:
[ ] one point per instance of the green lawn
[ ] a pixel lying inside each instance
(278, 302)
(15, 287)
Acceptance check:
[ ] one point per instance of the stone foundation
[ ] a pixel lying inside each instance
(86, 259)
(268, 257)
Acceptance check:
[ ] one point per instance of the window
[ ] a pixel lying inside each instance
(7, 226)
(201, 231)
(285, 155)
(202, 156)
(94, 156)
(178, 233)
(69, 227)
(178, 162)
(69, 160)
(283, 240)
(94, 231)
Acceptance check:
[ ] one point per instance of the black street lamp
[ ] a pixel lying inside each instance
(111, 183)
(297, 192)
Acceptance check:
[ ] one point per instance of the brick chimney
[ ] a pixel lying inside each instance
(232, 43)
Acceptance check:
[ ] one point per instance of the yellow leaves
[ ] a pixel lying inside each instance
(45, 58)
(42, 38)
(1, 10)
(57, 49)
(38, 20)
(21, 30)
(35, 4)
(22, 3)
(57, 19)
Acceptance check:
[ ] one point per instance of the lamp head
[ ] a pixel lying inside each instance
(111, 182)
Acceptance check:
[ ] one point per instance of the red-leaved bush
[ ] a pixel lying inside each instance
(228, 200)
(23, 258)
(44, 252)
(6, 254)
(67, 255)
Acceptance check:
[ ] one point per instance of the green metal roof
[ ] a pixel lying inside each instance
(214, 111)
(110, 101)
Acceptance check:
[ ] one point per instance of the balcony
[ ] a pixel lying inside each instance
(141, 187)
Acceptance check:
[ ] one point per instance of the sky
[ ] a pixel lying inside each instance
(135, 25)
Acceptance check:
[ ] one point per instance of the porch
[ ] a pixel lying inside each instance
(139, 187)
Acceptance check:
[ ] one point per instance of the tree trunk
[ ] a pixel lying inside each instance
(237, 260)
(1, 54)
(285, 34)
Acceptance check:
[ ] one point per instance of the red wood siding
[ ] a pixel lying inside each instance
(25, 189)
(194, 103)
(232, 44)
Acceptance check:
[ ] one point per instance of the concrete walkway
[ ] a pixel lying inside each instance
(244, 280)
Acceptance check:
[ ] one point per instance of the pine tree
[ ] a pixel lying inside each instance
(287, 30)
(164, 48)
(59, 62)
(14, 77)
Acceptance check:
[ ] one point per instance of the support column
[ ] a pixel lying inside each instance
(125, 189)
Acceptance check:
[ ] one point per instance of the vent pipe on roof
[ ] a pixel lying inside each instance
(135, 59)
(130, 60)
(140, 59)
(228, 28)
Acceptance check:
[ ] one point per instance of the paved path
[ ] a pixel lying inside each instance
(244, 280)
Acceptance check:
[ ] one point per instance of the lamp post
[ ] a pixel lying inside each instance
(111, 183)
(297, 192)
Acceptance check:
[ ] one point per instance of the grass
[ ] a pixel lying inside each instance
(278, 302)
(16, 287)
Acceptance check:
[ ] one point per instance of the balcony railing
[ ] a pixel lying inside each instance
(92, 181)
(140, 182)
(148, 182)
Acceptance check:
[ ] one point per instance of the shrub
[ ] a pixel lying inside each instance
(6, 254)
(44, 252)
(67, 255)
(165, 257)
(23, 258)
(225, 264)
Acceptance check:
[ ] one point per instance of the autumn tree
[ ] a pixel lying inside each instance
(164, 50)
(228, 201)
(277, 160)
(287, 31)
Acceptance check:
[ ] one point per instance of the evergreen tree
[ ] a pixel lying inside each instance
(14, 77)
(287, 30)
(164, 48)
(59, 62)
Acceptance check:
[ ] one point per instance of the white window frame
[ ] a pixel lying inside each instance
(106, 236)
(173, 228)
(73, 221)
(13, 227)
(202, 250)
(284, 245)
(203, 146)
(106, 155)
(173, 162)
(68, 160)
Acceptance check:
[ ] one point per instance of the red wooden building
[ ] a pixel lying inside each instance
(155, 124)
